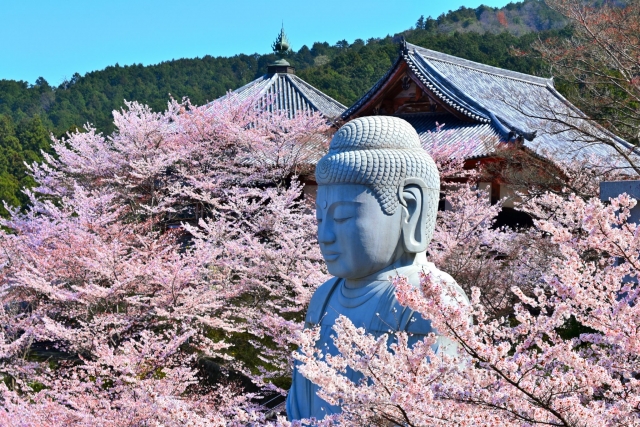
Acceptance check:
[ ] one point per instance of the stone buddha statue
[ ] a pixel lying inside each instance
(376, 205)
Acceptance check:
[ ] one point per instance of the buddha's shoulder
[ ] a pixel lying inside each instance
(319, 300)
(322, 292)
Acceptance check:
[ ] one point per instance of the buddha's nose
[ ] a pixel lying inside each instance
(326, 234)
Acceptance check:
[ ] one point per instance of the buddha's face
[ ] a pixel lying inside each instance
(356, 237)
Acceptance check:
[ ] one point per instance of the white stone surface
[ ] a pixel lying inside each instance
(376, 206)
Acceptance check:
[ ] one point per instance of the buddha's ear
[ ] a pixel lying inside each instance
(414, 200)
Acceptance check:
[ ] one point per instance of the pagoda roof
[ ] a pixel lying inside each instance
(486, 102)
(286, 91)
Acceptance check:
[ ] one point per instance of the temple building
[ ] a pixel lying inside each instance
(459, 103)
(482, 103)
(281, 89)
(453, 101)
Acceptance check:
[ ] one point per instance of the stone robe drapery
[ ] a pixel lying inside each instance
(373, 307)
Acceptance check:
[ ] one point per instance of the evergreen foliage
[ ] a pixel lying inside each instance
(20, 144)
(344, 71)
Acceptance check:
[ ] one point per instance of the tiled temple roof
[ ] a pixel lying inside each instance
(500, 104)
(289, 92)
(446, 130)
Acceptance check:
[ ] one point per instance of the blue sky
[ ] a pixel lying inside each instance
(55, 39)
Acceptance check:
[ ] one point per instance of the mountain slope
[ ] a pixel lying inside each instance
(343, 70)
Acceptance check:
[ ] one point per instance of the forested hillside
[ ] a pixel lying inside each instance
(515, 18)
(28, 112)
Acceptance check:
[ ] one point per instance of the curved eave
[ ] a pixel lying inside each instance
(446, 92)
(372, 92)
(423, 59)
(431, 81)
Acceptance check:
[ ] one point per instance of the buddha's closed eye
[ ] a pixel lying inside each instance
(342, 219)
(344, 211)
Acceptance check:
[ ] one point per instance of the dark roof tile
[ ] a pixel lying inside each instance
(506, 101)
(289, 92)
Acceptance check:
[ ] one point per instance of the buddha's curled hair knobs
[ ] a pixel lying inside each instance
(380, 152)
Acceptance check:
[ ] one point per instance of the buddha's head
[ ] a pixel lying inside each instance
(378, 193)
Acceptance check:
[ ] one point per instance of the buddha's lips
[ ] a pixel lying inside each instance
(330, 256)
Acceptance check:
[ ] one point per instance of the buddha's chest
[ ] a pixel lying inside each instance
(375, 309)
(360, 313)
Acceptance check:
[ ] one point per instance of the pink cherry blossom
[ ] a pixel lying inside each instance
(143, 252)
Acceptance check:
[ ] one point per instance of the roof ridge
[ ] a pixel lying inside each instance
(447, 91)
(251, 84)
(477, 66)
(292, 93)
(503, 126)
(297, 82)
(301, 92)
(272, 82)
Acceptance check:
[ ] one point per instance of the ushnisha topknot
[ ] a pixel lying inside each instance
(380, 152)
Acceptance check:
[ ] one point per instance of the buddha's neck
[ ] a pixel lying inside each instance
(405, 260)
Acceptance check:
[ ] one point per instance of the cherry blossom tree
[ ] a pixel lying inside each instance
(468, 243)
(564, 355)
(147, 250)
(183, 236)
